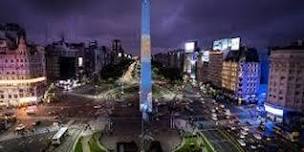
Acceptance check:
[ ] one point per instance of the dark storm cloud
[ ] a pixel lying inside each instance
(259, 22)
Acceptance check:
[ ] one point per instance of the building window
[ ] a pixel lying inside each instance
(298, 86)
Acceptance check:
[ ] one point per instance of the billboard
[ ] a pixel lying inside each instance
(190, 46)
(227, 44)
(275, 111)
(80, 61)
(205, 57)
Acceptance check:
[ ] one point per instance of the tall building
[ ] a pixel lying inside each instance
(61, 56)
(116, 46)
(145, 59)
(241, 74)
(203, 67)
(22, 72)
(286, 83)
(215, 68)
(96, 57)
(172, 59)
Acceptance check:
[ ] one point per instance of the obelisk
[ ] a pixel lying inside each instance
(145, 58)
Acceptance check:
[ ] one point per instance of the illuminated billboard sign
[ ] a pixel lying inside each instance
(227, 44)
(190, 46)
(205, 57)
(275, 111)
(80, 61)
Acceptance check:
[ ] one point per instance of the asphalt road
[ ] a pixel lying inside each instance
(35, 143)
(200, 112)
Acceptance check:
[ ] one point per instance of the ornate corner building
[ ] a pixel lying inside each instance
(22, 68)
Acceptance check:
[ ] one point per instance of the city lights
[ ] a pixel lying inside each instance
(139, 76)
(23, 81)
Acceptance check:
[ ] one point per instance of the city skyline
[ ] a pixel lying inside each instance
(151, 76)
(260, 24)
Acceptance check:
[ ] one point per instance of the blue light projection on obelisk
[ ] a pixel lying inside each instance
(145, 52)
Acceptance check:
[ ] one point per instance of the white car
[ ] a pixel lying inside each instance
(97, 107)
(233, 128)
(257, 136)
(242, 136)
(245, 128)
(244, 133)
(253, 147)
(242, 143)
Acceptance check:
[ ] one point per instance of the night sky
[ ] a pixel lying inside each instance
(260, 23)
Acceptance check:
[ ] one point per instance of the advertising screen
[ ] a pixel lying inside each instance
(80, 61)
(205, 57)
(227, 44)
(190, 47)
(275, 111)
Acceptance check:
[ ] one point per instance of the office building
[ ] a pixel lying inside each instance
(61, 56)
(215, 66)
(241, 74)
(285, 99)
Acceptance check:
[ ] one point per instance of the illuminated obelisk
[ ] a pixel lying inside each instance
(145, 57)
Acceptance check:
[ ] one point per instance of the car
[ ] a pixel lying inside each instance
(233, 128)
(253, 147)
(20, 127)
(97, 107)
(245, 128)
(222, 106)
(257, 136)
(242, 143)
(214, 118)
(36, 123)
(260, 146)
(242, 136)
(244, 132)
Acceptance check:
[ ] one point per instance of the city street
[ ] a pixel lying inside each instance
(237, 132)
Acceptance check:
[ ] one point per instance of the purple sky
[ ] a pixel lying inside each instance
(260, 23)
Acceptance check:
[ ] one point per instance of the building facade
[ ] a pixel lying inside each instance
(22, 68)
(286, 83)
(215, 68)
(241, 74)
(202, 68)
(96, 57)
(61, 56)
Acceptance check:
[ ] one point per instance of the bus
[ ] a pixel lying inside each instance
(57, 138)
